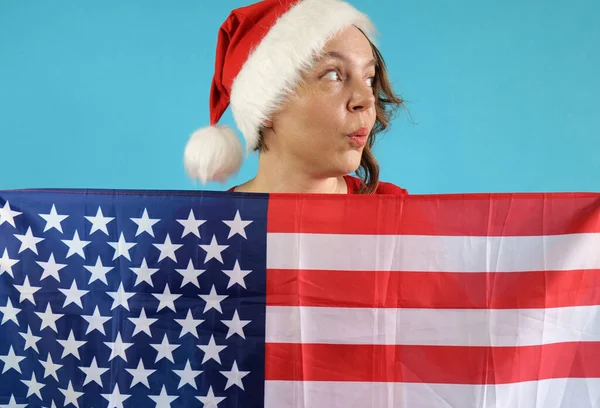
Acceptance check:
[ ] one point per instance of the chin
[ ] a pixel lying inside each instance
(339, 164)
(351, 162)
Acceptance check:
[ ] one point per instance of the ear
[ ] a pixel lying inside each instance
(267, 123)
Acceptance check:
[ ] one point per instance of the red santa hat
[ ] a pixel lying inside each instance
(261, 51)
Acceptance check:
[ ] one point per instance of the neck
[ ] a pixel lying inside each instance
(275, 175)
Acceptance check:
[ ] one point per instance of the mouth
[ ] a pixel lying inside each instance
(359, 137)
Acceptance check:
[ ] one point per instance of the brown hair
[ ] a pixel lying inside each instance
(386, 104)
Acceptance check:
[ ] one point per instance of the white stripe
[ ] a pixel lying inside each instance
(554, 393)
(433, 253)
(449, 327)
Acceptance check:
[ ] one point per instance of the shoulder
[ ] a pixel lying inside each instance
(389, 188)
(383, 187)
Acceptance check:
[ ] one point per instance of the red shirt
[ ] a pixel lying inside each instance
(383, 187)
(354, 183)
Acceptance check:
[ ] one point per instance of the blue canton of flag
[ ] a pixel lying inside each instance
(122, 298)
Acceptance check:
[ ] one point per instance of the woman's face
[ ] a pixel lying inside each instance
(314, 128)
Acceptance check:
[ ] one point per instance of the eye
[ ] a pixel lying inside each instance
(333, 75)
(370, 81)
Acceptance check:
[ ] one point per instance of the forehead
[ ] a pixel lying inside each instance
(351, 42)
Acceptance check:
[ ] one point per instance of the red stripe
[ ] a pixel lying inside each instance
(430, 364)
(473, 214)
(516, 290)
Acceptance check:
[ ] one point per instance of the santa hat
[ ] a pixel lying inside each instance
(261, 51)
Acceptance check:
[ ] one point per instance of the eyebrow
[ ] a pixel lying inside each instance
(342, 57)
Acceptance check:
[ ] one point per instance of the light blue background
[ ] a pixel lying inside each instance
(504, 95)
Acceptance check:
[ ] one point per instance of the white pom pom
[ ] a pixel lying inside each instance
(213, 153)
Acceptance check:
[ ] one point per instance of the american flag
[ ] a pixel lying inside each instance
(173, 299)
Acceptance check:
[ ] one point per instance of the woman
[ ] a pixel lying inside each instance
(309, 91)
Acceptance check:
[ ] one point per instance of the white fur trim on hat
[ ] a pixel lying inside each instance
(273, 69)
(213, 153)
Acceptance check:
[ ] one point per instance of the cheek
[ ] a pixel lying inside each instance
(323, 114)
(312, 119)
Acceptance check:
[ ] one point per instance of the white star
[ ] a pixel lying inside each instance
(50, 368)
(163, 400)
(213, 251)
(99, 222)
(12, 403)
(6, 264)
(145, 224)
(140, 374)
(144, 273)
(122, 247)
(237, 226)
(213, 300)
(189, 325)
(7, 215)
(190, 275)
(118, 348)
(191, 225)
(28, 241)
(71, 346)
(234, 377)
(166, 299)
(51, 268)
(48, 318)
(121, 298)
(142, 323)
(98, 271)
(53, 220)
(93, 373)
(33, 386)
(116, 399)
(71, 395)
(73, 294)
(165, 350)
(187, 376)
(30, 340)
(211, 350)
(9, 312)
(236, 326)
(236, 275)
(167, 250)
(210, 401)
(76, 245)
(27, 291)
(11, 360)
(96, 322)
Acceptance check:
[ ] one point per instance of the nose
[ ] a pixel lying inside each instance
(362, 97)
